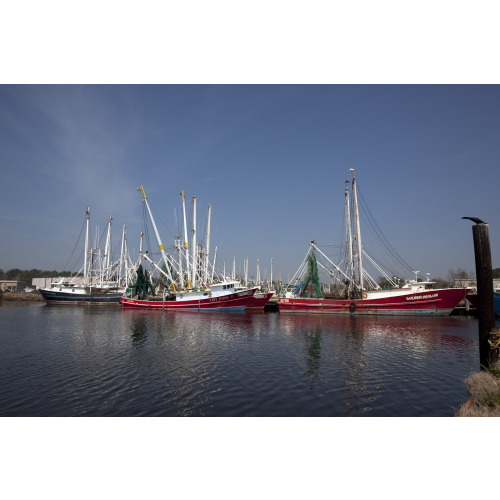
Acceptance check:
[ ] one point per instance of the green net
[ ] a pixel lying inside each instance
(142, 285)
(311, 287)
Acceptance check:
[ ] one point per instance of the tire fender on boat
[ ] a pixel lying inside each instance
(352, 306)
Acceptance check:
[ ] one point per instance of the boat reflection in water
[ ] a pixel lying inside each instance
(385, 366)
(269, 364)
(119, 362)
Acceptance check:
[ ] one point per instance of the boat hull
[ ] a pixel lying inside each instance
(57, 298)
(231, 302)
(429, 303)
(259, 301)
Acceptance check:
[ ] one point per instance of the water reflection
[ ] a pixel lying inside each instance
(313, 357)
(334, 349)
(186, 351)
(357, 382)
(103, 362)
(374, 359)
(139, 329)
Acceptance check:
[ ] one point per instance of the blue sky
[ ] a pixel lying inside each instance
(270, 159)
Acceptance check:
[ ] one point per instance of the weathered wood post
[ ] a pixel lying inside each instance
(485, 304)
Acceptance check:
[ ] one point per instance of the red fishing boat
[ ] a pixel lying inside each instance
(356, 292)
(430, 302)
(173, 295)
(259, 300)
(219, 296)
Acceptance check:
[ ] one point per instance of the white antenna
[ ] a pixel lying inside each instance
(416, 275)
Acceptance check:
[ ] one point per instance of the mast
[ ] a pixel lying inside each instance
(358, 231)
(258, 273)
(95, 255)
(163, 254)
(98, 264)
(272, 262)
(233, 276)
(213, 267)
(179, 253)
(107, 249)
(350, 264)
(141, 256)
(208, 243)
(127, 270)
(193, 281)
(186, 244)
(86, 254)
(122, 257)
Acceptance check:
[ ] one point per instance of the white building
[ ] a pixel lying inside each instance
(472, 283)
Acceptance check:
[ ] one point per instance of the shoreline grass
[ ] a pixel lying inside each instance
(484, 388)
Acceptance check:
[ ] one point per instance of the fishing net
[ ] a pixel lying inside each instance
(310, 285)
(142, 285)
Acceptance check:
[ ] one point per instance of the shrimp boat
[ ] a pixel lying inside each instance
(214, 297)
(259, 300)
(356, 292)
(223, 296)
(262, 296)
(67, 293)
(100, 286)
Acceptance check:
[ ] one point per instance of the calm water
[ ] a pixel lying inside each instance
(77, 361)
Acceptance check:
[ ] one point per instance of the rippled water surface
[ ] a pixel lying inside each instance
(85, 361)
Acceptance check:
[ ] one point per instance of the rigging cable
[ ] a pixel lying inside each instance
(380, 235)
(76, 244)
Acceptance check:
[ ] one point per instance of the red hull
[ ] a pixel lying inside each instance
(259, 302)
(472, 298)
(431, 302)
(233, 302)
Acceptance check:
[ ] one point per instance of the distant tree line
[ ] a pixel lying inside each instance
(25, 278)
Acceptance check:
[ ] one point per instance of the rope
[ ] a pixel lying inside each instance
(78, 241)
(494, 341)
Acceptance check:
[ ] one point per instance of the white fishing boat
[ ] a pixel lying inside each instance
(102, 284)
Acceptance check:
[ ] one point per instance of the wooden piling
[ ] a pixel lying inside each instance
(485, 307)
